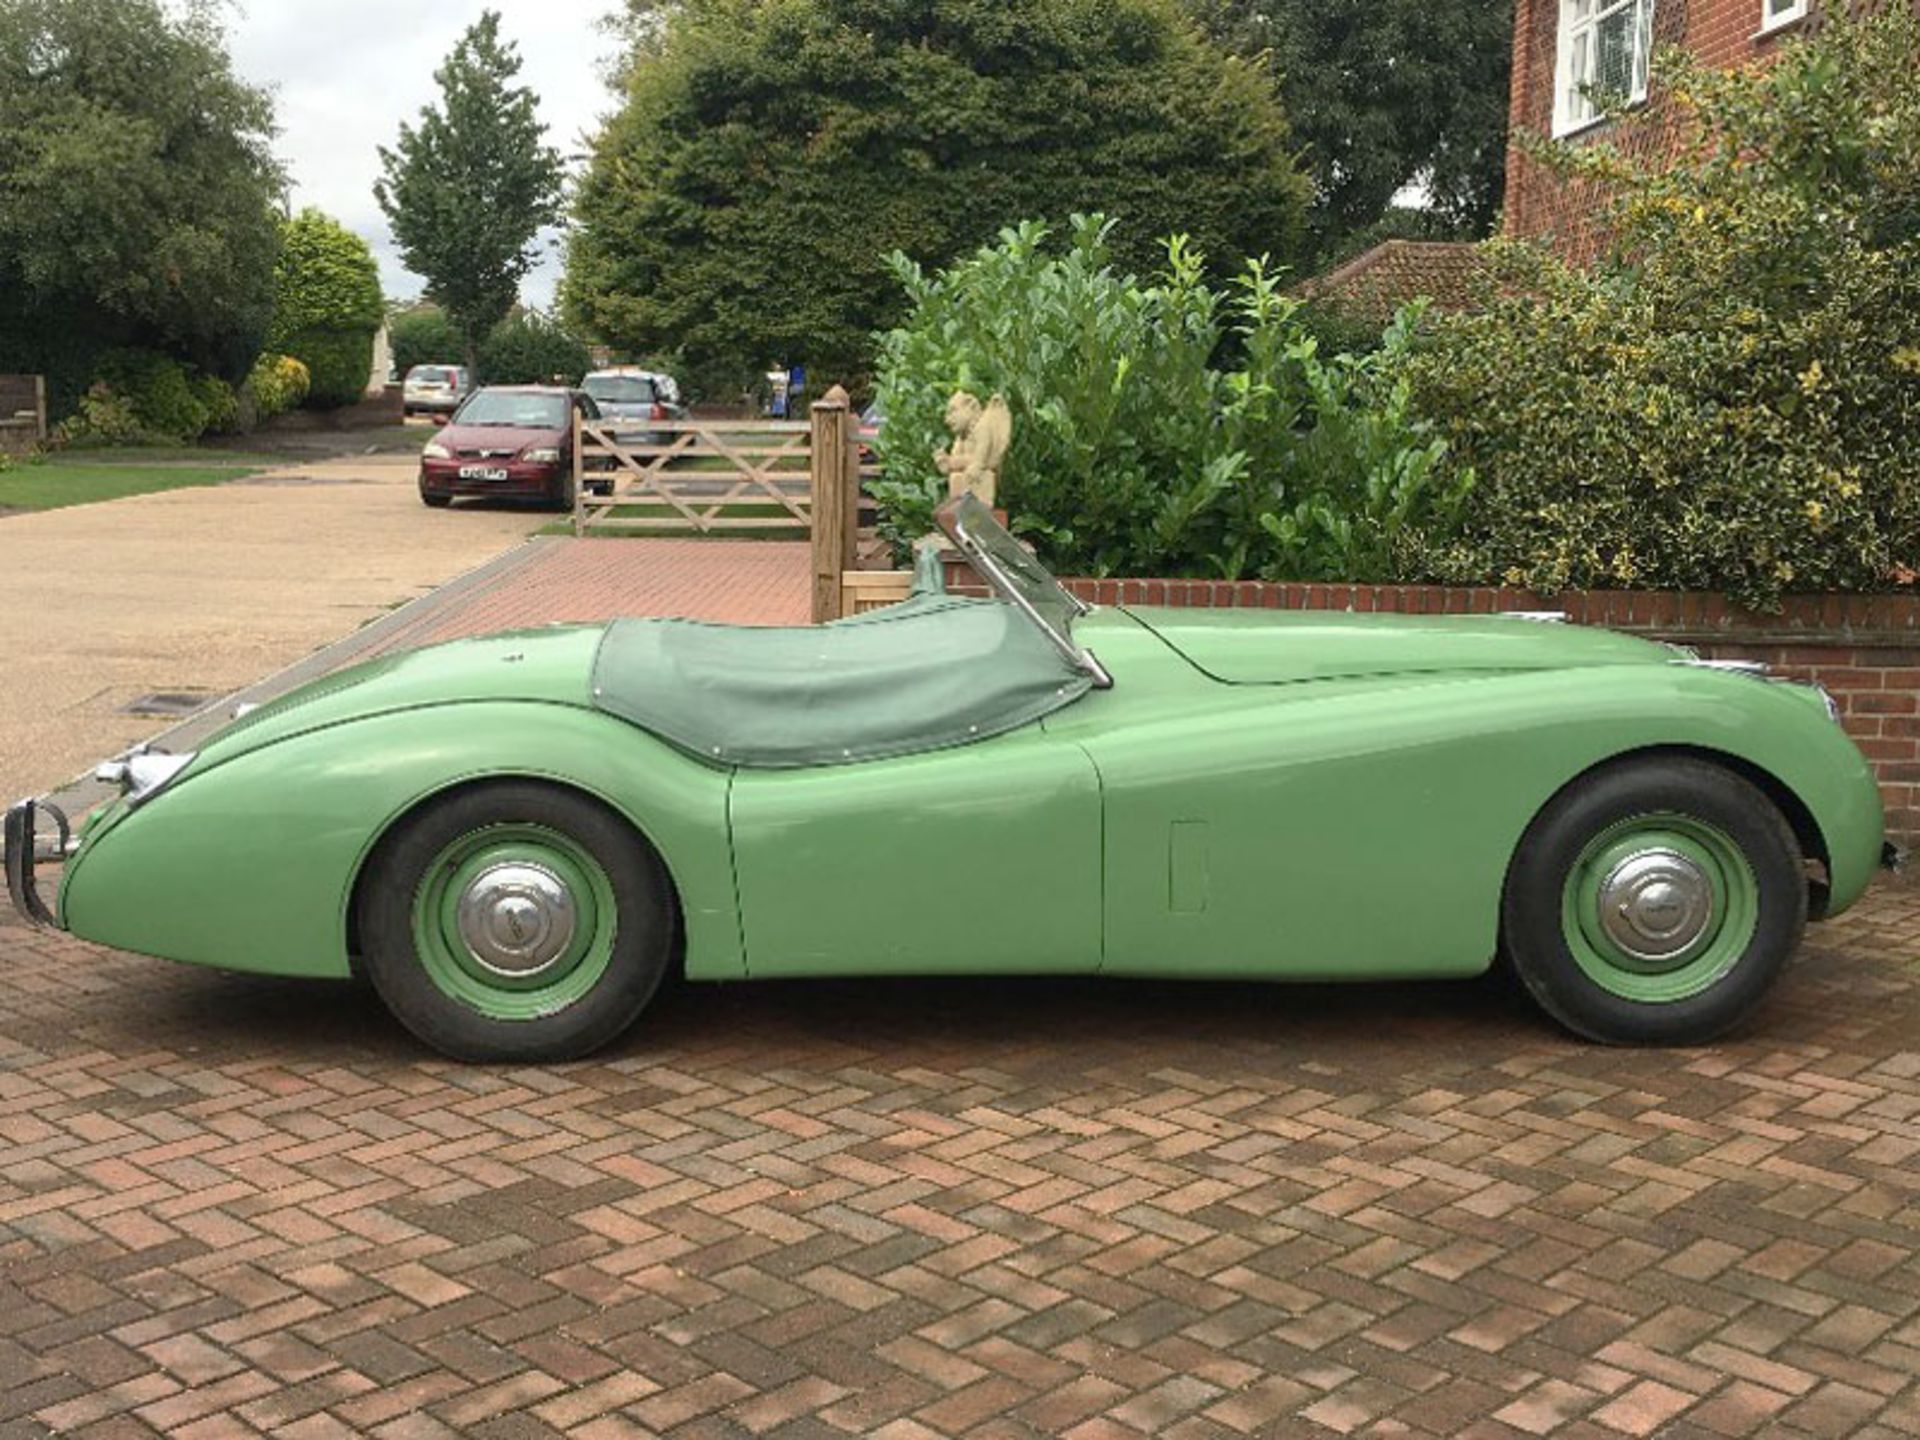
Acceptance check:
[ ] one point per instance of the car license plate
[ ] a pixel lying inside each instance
(482, 472)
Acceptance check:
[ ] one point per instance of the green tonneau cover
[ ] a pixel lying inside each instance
(931, 673)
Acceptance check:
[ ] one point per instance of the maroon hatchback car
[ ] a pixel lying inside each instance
(510, 442)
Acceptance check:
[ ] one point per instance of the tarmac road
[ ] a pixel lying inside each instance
(201, 591)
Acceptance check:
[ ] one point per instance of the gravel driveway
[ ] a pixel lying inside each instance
(200, 591)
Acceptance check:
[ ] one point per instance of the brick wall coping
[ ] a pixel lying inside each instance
(1892, 619)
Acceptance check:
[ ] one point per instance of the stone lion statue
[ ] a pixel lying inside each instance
(981, 434)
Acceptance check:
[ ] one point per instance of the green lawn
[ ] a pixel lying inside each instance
(84, 479)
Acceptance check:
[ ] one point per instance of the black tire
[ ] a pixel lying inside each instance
(435, 502)
(643, 924)
(1733, 973)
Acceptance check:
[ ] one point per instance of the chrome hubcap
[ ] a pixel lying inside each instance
(517, 919)
(1656, 905)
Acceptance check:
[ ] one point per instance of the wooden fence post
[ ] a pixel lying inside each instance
(833, 442)
(579, 479)
(850, 477)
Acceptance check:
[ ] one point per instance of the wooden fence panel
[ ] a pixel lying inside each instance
(693, 477)
(768, 479)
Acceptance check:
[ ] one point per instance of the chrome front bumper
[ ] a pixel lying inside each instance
(23, 852)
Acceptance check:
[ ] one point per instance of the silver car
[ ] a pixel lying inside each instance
(435, 389)
(634, 400)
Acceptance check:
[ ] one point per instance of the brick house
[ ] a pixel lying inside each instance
(1570, 57)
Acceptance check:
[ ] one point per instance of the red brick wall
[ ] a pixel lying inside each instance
(1865, 649)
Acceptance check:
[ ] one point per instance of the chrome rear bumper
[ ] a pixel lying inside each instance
(22, 854)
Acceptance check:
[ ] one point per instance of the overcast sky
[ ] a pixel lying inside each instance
(344, 74)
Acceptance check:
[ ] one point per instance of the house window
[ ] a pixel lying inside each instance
(1605, 50)
(1775, 13)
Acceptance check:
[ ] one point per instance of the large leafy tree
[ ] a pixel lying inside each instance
(770, 153)
(532, 349)
(138, 190)
(1386, 94)
(327, 306)
(470, 187)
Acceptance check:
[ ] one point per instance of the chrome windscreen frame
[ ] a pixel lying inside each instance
(962, 519)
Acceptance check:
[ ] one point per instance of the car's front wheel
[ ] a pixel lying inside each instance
(1654, 902)
(516, 921)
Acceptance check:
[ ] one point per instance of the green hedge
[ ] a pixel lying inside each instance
(423, 336)
(142, 397)
(1731, 399)
(327, 307)
(339, 364)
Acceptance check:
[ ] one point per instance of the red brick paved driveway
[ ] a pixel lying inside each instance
(230, 1205)
(734, 582)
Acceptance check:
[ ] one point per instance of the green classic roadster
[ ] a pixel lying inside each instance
(517, 838)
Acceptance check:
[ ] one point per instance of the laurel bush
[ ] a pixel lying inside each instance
(1165, 427)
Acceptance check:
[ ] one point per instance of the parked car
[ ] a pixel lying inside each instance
(435, 389)
(872, 420)
(634, 400)
(517, 838)
(507, 442)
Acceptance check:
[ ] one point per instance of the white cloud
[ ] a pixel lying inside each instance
(344, 74)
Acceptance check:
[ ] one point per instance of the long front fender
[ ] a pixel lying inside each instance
(250, 864)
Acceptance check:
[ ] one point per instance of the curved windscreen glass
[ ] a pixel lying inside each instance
(521, 409)
(1016, 576)
(620, 389)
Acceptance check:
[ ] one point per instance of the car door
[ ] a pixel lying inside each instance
(981, 859)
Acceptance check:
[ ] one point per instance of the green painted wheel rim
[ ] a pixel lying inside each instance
(466, 868)
(1658, 908)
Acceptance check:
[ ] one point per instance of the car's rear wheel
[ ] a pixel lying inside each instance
(435, 502)
(1654, 902)
(516, 921)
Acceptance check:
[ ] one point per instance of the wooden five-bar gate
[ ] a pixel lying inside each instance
(761, 479)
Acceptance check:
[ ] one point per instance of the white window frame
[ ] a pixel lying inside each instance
(1778, 14)
(1580, 20)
